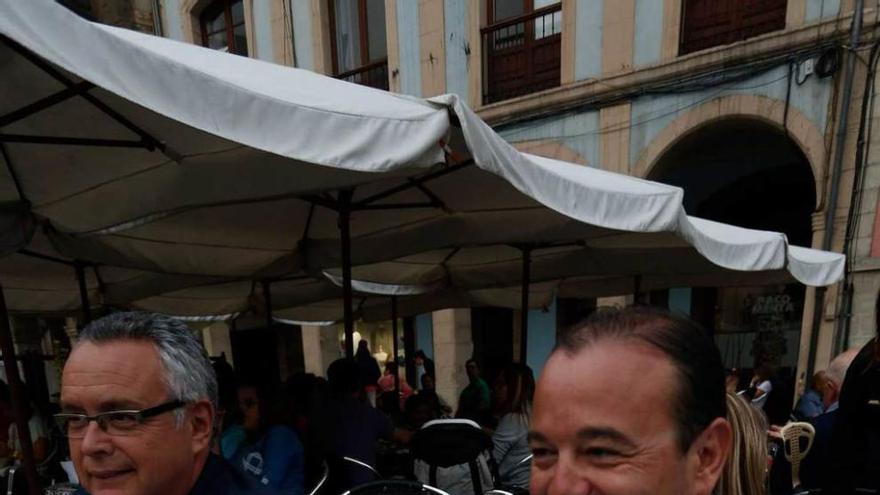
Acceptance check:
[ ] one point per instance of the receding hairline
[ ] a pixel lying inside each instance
(101, 340)
(629, 341)
(644, 325)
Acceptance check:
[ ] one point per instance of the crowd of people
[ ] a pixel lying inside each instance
(631, 401)
(361, 414)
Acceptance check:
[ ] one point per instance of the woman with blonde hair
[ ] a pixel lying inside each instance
(745, 472)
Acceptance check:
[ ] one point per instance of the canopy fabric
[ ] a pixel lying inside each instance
(665, 256)
(166, 166)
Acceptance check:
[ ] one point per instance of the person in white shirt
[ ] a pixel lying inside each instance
(763, 386)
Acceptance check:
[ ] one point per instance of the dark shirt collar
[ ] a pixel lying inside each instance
(218, 477)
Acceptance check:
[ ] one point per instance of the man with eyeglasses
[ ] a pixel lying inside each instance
(138, 398)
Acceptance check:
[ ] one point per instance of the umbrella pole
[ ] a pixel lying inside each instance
(267, 299)
(345, 236)
(83, 294)
(394, 346)
(637, 290)
(524, 305)
(16, 390)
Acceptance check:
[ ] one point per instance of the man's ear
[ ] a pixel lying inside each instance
(201, 420)
(709, 452)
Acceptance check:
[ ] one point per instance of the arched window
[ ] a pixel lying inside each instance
(223, 27)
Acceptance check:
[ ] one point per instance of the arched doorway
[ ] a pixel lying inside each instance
(745, 172)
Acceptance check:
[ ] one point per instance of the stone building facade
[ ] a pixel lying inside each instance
(742, 106)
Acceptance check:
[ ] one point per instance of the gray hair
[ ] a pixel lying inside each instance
(188, 375)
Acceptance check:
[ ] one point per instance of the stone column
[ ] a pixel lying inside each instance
(320, 348)
(452, 348)
(216, 340)
(313, 358)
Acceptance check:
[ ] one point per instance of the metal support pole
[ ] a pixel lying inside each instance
(267, 297)
(394, 345)
(16, 390)
(83, 293)
(637, 290)
(524, 305)
(345, 237)
(409, 349)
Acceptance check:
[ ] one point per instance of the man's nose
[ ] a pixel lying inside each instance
(96, 441)
(566, 480)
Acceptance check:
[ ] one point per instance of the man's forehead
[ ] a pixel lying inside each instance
(606, 387)
(116, 355)
(111, 372)
(610, 381)
(612, 358)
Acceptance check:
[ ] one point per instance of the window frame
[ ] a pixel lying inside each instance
(736, 29)
(528, 8)
(224, 8)
(532, 72)
(363, 37)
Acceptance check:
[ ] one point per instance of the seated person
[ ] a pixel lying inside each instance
(268, 450)
(39, 435)
(386, 383)
(429, 393)
(418, 412)
(514, 392)
(810, 404)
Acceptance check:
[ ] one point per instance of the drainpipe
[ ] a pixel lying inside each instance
(836, 171)
(293, 46)
(157, 18)
(857, 192)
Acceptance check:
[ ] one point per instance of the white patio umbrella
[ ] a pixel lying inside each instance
(141, 152)
(188, 165)
(177, 162)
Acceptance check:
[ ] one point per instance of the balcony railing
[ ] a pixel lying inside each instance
(374, 75)
(522, 54)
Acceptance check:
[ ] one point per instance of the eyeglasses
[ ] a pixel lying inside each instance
(120, 423)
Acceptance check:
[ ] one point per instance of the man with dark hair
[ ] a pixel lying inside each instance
(475, 400)
(138, 401)
(424, 366)
(349, 427)
(630, 402)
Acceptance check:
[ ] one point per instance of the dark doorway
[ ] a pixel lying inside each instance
(492, 334)
(748, 173)
(255, 353)
(743, 172)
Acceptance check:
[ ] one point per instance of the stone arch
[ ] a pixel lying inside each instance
(801, 130)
